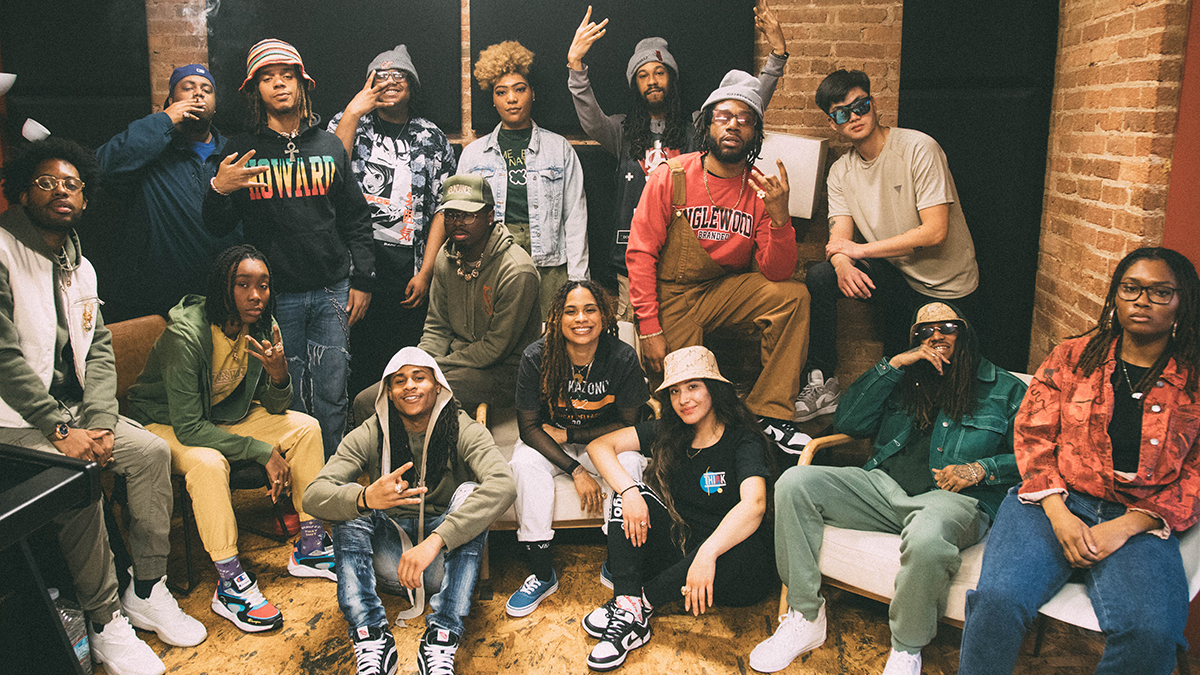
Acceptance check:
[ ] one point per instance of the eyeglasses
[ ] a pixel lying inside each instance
(459, 217)
(1158, 295)
(841, 114)
(925, 330)
(393, 75)
(745, 119)
(47, 183)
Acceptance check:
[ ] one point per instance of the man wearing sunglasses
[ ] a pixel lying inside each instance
(942, 460)
(57, 395)
(894, 189)
(400, 161)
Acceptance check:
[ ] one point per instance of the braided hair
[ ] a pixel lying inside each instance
(556, 364)
(704, 122)
(443, 443)
(1184, 345)
(258, 111)
(924, 393)
(219, 305)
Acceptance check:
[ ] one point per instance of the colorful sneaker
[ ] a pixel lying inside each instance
(161, 614)
(531, 594)
(318, 563)
(785, 434)
(375, 650)
(624, 634)
(605, 576)
(903, 663)
(239, 600)
(819, 397)
(596, 622)
(119, 649)
(435, 655)
(794, 636)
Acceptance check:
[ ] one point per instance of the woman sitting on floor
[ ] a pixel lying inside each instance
(697, 526)
(576, 384)
(1108, 444)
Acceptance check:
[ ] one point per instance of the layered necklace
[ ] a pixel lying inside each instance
(741, 190)
(467, 271)
(580, 374)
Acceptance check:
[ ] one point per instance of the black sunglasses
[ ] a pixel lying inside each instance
(841, 114)
(925, 330)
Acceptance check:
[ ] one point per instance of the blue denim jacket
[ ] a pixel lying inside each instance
(872, 406)
(557, 205)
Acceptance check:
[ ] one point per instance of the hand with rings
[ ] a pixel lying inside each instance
(270, 354)
(774, 192)
(392, 490)
(635, 517)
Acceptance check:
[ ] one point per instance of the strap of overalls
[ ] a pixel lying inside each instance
(682, 258)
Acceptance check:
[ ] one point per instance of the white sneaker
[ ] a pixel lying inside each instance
(794, 636)
(161, 614)
(903, 663)
(120, 650)
(819, 397)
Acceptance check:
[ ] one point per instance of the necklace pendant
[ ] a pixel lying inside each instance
(1137, 395)
(291, 151)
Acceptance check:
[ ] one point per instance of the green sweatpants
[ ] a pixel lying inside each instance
(933, 527)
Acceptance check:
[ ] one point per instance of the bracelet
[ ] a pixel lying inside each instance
(622, 492)
(978, 472)
(650, 335)
(212, 183)
(362, 497)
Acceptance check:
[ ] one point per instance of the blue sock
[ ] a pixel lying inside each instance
(229, 568)
(312, 535)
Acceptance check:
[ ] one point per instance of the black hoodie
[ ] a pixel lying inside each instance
(309, 218)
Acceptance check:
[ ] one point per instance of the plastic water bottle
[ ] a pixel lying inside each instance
(73, 620)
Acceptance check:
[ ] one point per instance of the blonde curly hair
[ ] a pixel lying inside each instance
(501, 59)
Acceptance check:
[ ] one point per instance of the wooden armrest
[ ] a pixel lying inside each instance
(481, 414)
(810, 450)
(656, 406)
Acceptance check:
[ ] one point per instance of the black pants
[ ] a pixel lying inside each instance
(387, 326)
(745, 573)
(893, 301)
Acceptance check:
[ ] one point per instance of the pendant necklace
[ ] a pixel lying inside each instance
(1135, 395)
(291, 150)
(580, 373)
(741, 190)
(468, 271)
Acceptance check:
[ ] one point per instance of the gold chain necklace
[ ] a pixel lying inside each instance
(741, 190)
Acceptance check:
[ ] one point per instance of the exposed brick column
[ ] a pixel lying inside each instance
(177, 31)
(1116, 95)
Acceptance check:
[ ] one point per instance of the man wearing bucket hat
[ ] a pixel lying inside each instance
(483, 303)
(941, 418)
(438, 481)
(400, 161)
(164, 162)
(288, 183)
(656, 128)
(700, 224)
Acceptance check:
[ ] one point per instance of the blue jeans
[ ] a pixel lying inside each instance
(370, 545)
(1139, 592)
(315, 331)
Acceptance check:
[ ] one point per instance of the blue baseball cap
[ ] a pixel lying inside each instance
(185, 71)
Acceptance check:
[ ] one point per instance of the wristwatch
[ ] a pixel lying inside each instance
(61, 431)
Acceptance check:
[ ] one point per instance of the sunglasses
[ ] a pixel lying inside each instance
(841, 114)
(746, 119)
(925, 330)
(393, 75)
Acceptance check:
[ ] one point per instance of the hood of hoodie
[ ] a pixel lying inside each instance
(409, 356)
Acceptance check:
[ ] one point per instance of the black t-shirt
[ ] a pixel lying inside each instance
(707, 486)
(1125, 427)
(614, 380)
(910, 467)
(513, 143)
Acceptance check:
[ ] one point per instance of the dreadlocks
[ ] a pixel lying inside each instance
(637, 123)
(925, 393)
(443, 443)
(556, 365)
(1184, 345)
(258, 112)
(219, 306)
(704, 123)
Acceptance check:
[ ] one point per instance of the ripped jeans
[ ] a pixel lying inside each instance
(315, 331)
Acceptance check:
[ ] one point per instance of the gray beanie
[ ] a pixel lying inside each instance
(650, 49)
(740, 85)
(396, 58)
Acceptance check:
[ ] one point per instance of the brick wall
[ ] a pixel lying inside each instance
(1116, 94)
(177, 32)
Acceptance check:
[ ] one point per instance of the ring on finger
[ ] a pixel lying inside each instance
(762, 194)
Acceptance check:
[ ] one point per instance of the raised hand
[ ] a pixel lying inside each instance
(233, 174)
(184, 109)
(367, 99)
(587, 33)
(774, 192)
(768, 25)
(392, 490)
(270, 353)
(922, 352)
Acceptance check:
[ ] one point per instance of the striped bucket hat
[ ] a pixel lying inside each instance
(272, 52)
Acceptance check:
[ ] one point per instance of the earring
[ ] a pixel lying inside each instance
(1112, 318)
(1173, 326)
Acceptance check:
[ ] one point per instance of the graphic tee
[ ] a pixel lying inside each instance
(387, 184)
(613, 381)
(513, 143)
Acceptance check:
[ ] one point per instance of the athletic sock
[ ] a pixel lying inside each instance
(229, 568)
(312, 535)
(631, 604)
(540, 561)
(143, 587)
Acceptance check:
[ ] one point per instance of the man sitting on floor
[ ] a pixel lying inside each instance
(941, 416)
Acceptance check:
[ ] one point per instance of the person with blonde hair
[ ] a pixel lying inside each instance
(534, 174)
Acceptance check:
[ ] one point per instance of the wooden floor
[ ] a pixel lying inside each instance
(314, 639)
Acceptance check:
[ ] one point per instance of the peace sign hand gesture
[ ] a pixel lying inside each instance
(270, 353)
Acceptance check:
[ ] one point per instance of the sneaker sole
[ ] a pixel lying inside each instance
(599, 633)
(604, 668)
(140, 622)
(606, 582)
(776, 667)
(526, 611)
(221, 610)
(112, 669)
(827, 410)
(305, 572)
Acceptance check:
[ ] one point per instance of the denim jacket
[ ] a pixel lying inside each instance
(557, 205)
(873, 406)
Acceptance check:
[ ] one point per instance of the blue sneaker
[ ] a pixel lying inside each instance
(605, 576)
(318, 563)
(530, 595)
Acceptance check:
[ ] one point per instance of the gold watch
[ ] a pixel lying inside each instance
(61, 431)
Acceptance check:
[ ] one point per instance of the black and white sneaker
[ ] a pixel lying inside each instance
(375, 650)
(624, 633)
(785, 434)
(435, 655)
(596, 622)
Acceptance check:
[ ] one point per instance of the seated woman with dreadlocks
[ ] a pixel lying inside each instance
(216, 389)
(1108, 444)
(576, 384)
(941, 416)
(697, 526)
(438, 481)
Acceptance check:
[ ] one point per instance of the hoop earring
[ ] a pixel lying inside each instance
(1173, 326)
